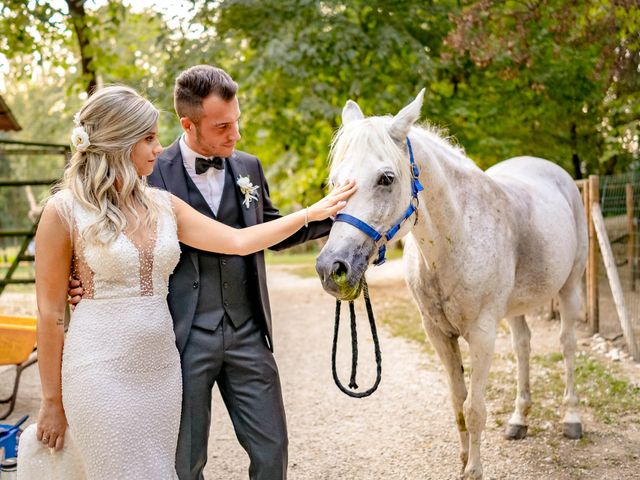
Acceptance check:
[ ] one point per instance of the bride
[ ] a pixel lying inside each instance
(116, 383)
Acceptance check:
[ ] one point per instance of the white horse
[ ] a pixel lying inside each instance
(481, 246)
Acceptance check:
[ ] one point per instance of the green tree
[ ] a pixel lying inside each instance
(298, 61)
(133, 51)
(545, 78)
(550, 78)
(42, 33)
(45, 100)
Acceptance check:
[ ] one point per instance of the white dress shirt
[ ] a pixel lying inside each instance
(209, 183)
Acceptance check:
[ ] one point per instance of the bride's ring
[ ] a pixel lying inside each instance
(45, 439)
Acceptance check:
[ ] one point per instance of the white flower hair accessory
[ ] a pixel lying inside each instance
(80, 139)
(76, 119)
(248, 189)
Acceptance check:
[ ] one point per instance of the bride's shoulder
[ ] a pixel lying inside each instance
(158, 195)
(162, 198)
(63, 195)
(62, 201)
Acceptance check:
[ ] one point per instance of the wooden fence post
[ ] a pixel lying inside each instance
(592, 279)
(631, 240)
(583, 186)
(614, 281)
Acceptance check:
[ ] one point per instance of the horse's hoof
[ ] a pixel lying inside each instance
(472, 473)
(572, 430)
(515, 432)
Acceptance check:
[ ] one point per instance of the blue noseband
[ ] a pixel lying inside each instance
(381, 239)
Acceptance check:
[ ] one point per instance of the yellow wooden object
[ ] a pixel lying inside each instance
(17, 338)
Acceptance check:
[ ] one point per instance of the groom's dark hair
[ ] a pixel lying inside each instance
(197, 83)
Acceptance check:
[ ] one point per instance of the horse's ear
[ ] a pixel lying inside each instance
(405, 118)
(351, 112)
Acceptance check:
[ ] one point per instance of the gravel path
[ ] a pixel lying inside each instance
(405, 430)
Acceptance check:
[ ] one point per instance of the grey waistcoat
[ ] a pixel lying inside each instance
(223, 286)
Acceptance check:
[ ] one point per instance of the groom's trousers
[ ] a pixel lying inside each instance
(238, 360)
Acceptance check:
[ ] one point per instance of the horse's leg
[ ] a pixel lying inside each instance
(421, 285)
(570, 311)
(521, 342)
(481, 339)
(448, 350)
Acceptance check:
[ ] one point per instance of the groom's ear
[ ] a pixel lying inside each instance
(186, 123)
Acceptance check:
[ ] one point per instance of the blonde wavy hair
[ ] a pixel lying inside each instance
(102, 177)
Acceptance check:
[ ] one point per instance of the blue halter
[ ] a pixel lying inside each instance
(382, 238)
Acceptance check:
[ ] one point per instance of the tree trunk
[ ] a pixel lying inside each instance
(610, 165)
(575, 159)
(83, 33)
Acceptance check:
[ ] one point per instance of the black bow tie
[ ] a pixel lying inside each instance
(204, 164)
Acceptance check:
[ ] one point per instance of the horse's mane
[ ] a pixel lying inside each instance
(369, 134)
(372, 134)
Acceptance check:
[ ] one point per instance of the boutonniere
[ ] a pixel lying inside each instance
(248, 189)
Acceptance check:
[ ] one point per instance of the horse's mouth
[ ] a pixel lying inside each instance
(342, 272)
(341, 280)
(345, 290)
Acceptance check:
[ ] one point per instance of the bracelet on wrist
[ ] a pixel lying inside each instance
(306, 217)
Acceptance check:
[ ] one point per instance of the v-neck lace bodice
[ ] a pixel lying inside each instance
(124, 268)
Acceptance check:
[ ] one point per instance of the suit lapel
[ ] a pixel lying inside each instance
(173, 172)
(238, 169)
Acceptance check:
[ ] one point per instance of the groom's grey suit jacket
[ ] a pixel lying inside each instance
(169, 174)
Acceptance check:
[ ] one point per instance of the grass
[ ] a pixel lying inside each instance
(23, 271)
(303, 264)
(20, 288)
(397, 312)
(605, 392)
(394, 315)
(599, 387)
(309, 258)
(287, 258)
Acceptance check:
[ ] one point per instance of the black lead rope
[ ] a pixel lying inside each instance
(354, 347)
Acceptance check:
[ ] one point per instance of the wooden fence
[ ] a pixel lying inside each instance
(8, 149)
(600, 245)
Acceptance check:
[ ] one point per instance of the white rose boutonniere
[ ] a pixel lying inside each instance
(80, 139)
(248, 189)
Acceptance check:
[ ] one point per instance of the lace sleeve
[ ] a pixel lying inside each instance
(62, 201)
(163, 199)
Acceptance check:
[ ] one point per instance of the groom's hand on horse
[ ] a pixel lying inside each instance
(74, 291)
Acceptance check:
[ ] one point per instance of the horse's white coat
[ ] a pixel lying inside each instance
(484, 246)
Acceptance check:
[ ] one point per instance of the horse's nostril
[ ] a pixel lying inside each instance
(339, 268)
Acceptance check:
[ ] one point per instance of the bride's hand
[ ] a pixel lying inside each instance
(52, 423)
(333, 202)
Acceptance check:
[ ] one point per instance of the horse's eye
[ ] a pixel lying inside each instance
(385, 179)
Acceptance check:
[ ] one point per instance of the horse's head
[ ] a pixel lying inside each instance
(373, 151)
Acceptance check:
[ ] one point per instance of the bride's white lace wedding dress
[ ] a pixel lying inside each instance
(121, 381)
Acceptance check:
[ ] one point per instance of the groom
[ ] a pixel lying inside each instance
(220, 303)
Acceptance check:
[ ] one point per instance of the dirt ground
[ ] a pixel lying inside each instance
(405, 430)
